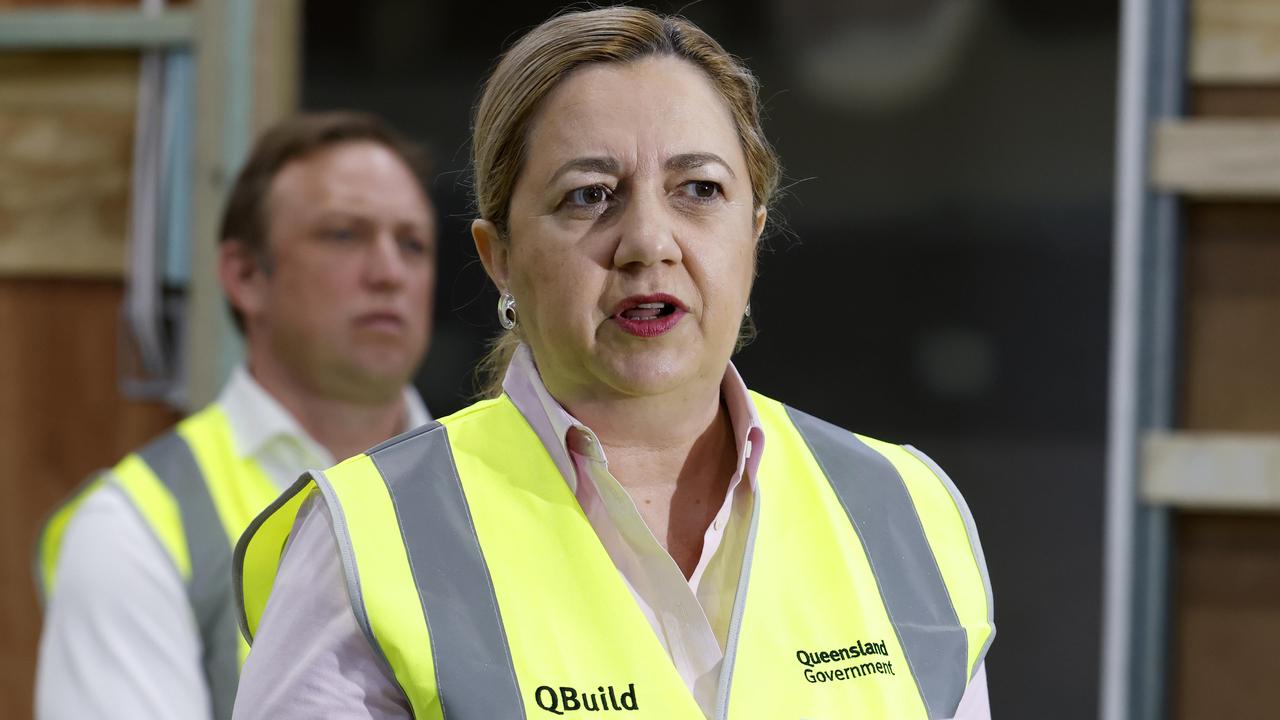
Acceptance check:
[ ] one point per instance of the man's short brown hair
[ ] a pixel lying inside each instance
(246, 219)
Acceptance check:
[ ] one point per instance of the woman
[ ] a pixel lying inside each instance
(624, 529)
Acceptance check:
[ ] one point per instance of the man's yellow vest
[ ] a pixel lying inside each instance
(475, 575)
(196, 495)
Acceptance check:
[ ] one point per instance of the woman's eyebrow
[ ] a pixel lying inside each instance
(601, 165)
(689, 161)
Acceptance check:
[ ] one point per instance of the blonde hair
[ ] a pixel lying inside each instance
(540, 60)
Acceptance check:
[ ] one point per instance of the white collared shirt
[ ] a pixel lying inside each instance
(119, 638)
(296, 672)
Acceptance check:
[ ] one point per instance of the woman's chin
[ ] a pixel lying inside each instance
(653, 372)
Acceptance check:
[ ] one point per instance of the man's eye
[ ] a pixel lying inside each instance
(338, 234)
(588, 196)
(702, 189)
(414, 245)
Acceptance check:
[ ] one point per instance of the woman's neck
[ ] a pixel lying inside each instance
(674, 459)
(649, 424)
(658, 440)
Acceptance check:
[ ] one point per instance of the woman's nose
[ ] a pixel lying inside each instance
(646, 233)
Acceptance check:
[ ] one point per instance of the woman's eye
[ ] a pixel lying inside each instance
(588, 196)
(702, 189)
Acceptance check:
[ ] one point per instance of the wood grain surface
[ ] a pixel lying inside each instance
(61, 418)
(66, 145)
(1218, 158)
(1225, 617)
(1235, 41)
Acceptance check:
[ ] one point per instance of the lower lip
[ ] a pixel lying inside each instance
(649, 328)
(381, 323)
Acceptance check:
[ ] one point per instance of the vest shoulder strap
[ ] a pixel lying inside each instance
(167, 486)
(920, 541)
(973, 600)
(456, 617)
(953, 538)
(373, 555)
(48, 543)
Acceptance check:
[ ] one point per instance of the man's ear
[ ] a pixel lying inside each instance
(493, 251)
(242, 277)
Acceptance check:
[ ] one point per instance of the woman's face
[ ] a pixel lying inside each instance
(632, 233)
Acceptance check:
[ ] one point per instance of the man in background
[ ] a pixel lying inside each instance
(327, 260)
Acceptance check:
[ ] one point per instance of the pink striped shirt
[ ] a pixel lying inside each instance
(691, 617)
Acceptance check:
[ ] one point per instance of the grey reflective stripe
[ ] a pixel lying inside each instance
(972, 530)
(209, 589)
(475, 676)
(881, 511)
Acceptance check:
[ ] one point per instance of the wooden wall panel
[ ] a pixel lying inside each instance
(60, 418)
(1226, 573)
(1227, 624)
(66, 144)
(1235, 101)
(1232, 330)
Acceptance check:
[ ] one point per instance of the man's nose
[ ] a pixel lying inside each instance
(384, 264)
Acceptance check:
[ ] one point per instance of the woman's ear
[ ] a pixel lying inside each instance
(493, 251)
(762, 214)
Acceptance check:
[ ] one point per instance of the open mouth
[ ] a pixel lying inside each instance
(649, 311)
(649, 315)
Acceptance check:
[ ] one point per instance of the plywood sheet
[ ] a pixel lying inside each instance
(66, 143)
(61, 417)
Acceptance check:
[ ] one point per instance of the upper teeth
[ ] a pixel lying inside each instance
(651, 306)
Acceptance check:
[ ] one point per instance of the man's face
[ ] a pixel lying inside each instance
(344, 306)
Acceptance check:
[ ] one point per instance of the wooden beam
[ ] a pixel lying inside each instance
(1237, 471)
(1217, 158)
(84, 28)
(1235, 41)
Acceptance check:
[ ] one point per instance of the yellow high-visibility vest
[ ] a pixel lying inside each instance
(196, 495)
(473, 571)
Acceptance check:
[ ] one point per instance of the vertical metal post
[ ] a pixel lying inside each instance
(1143, 367)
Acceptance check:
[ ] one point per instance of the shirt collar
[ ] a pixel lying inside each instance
(552, 423)
(257, 418)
